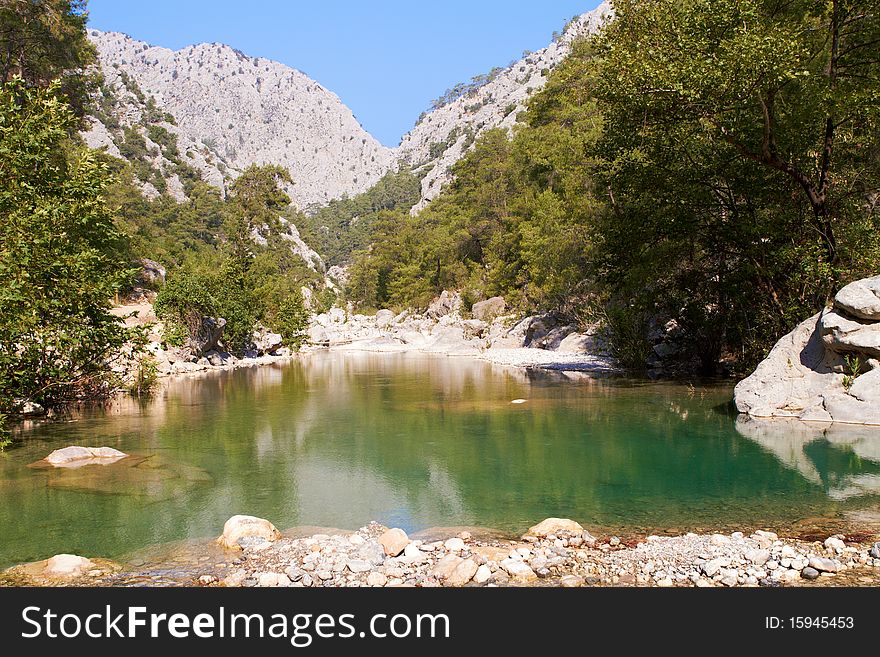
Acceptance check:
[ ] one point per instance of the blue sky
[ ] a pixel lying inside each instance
(385, 59)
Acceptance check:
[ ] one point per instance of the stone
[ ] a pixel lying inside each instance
(729, 580)
(552, 526)
(571, 581)
(713, 567)
(240, 526)
(67, 566)
(358, 565)
(848, 336)
(835, 543)
(483, 574)
(719, 540)
(666, 582)
(445, 304)
(454, 544)
(152, 274)
(377, 579)
(272, 580)
(294, 574)
(875, 550)
(824, 565)
(412, 551)
(207, 336)
(809, 573)
(489, 309)
(758, 557)
(371, 551)
(76, 456)
(30, 409)
(394, 541)
(235, 578)
(267, 342)
(384, 318)
(446, 566)
(463, 573)
(860, 299)
(518, 569)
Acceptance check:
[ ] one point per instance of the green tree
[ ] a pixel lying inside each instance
(45, 40)
(59, 256)
(740, 149)
(257, 200)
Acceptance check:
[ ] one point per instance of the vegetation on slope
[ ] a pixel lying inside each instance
(712, 162)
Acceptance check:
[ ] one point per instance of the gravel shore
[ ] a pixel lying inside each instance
(555, 552)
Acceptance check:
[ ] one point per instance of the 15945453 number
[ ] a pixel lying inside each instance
(821, 622)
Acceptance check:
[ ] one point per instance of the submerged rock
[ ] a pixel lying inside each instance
(76, 456)
(239, 527)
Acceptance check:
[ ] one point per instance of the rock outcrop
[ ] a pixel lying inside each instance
(227, 110)
(442, 136)
(232, 110)
(826, 369)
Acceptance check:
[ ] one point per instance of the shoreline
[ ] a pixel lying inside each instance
(553, 553)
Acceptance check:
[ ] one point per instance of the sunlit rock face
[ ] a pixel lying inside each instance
(827, 368)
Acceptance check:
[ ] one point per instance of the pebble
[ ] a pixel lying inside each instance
(809, 573)
(454, 544)
(571, 581)
(824, 565)
(835, 543)
(874, 552)
(483, 574)
(359, 566)
(377, 579)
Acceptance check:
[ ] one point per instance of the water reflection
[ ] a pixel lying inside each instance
(419, 441)
(844, 459)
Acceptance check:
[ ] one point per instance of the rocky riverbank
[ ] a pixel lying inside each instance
(827, 369)
(487, 332)
(555, 552)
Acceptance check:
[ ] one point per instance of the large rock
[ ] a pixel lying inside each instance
(807, 376)
(860, 299)
(206, 338)
(446, 304)
(489, 309)
(318, 335)
(843, 335)
(463, 573)
(239, 527)
(384, 318)
(394, 541)
(554, 526)
(152, 274)
(67, 566)
(267, 342)
(76, 456)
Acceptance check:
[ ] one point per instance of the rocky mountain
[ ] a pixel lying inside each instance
(232, 110)
(442, 136)
(211, 109)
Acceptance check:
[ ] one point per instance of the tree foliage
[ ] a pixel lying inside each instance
(60, 261)
(45, 40)
(740, 150)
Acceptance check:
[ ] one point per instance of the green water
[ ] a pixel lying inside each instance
(418, 442)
